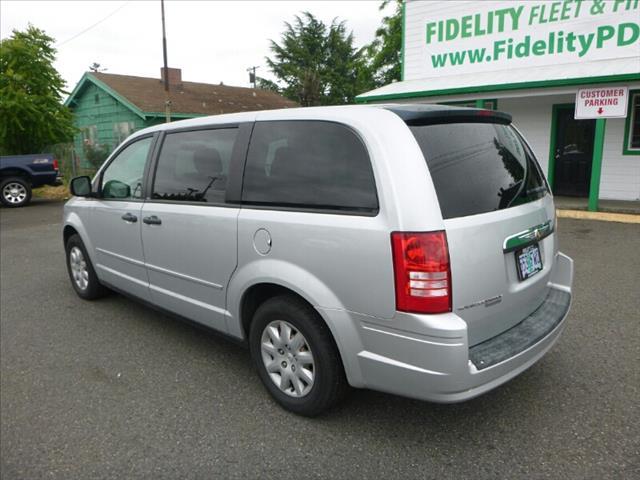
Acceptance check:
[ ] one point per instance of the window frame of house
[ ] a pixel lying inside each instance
(633, 115)
(118, 136)
(89, 135)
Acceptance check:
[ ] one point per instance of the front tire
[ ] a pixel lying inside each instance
(15, 192)
(296, 356)
(81, 273)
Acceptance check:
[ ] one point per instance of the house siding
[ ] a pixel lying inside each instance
(103, 114)
(620, 175)
(620, 178)
(533, 119)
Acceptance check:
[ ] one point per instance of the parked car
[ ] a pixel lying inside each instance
(404, 248)
(19, 174)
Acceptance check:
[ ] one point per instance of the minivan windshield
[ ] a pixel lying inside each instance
(479, 167)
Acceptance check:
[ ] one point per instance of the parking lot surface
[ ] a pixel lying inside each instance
(113, 389)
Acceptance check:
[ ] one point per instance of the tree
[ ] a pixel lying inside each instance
(317, 64)
(265, 84)
(31, 90)
(384, 54)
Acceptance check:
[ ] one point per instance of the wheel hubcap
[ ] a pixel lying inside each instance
(288, 359)
(79, 270)
(14, 192)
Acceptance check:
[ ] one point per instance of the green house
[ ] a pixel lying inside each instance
(108, 107)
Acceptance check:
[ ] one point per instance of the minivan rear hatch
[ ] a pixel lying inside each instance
(497, 211)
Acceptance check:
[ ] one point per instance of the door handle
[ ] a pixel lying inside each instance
(129, 217)
(152, 220)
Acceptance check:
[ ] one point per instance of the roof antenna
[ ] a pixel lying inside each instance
(96, 67)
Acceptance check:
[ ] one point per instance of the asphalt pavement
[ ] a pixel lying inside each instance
(113, 389)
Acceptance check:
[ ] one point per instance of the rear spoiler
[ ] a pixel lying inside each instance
(419, 117)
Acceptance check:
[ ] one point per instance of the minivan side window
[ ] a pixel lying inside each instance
(308, 164)
(123, 177)
(193, 165)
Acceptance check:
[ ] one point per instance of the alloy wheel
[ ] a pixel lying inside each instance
(79, 269)
(14, 192)
(287, 358)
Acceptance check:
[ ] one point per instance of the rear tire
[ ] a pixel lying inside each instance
(296, 356)
(15, 192)
(81, 273)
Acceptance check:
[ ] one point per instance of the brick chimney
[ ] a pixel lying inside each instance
(174, 75)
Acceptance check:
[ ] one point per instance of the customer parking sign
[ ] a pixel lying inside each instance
(602, 102)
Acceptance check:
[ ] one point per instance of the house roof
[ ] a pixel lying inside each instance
(146, 97)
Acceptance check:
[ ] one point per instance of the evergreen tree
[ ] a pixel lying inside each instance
(316, 64)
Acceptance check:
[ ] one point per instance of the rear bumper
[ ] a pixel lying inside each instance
(428, 357)
(40, 179)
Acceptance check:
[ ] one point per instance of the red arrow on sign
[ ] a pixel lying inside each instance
(600, 110)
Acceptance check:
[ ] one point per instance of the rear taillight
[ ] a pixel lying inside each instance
(422, 272)
(55, 164)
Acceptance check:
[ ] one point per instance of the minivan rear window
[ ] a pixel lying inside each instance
(479, 167)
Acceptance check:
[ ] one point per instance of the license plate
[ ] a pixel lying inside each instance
(528, 261)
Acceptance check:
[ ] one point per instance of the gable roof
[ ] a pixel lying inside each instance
(145, 96)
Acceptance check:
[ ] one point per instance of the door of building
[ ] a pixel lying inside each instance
(573, 153)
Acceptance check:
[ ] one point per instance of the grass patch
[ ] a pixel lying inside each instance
(48, 192)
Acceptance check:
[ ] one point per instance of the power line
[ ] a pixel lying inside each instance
(95, 24)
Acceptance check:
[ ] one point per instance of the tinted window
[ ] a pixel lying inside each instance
(193, 166)
(479, 167)
(123, 176)
(308, 164)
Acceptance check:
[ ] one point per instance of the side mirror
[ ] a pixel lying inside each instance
(116, 189)
(80, 186)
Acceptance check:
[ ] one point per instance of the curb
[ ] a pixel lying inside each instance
(601, 216)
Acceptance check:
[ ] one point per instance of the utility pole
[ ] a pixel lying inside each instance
(167, 100)
(252, 75)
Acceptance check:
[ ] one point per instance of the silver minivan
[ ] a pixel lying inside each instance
(404, 248)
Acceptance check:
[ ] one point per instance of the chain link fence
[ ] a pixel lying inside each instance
(70, 163)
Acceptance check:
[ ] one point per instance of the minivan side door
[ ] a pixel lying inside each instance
(310, 185)
(114, 222)
(189, 231)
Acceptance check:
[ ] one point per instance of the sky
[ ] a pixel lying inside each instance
(211, 41)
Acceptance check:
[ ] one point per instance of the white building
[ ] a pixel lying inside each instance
(530, 59)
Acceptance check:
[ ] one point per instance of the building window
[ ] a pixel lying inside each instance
(121, 131)
(96, 98)
(632, 127)
(89, 135)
